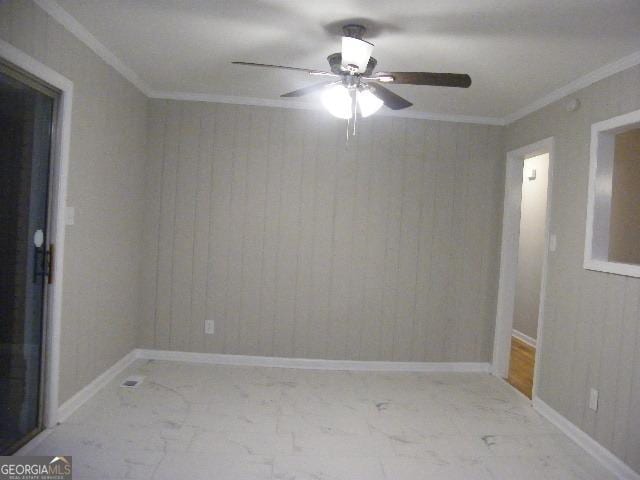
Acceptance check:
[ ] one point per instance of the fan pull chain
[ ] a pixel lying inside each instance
(346, 142)
(355, 113)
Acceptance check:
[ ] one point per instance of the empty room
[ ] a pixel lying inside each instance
(339, 240)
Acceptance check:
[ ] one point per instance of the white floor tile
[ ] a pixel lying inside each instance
(250, 423)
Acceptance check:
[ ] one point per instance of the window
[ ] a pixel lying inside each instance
(613, 216)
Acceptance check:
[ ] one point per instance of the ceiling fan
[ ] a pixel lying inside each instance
(354, 88)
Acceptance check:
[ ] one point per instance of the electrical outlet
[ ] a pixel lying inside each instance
(209, 327)
(593, 399)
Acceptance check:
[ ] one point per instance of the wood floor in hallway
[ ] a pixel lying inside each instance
(521, 366)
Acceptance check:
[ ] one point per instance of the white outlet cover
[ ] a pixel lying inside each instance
(593, 399)
(209, 327)
(553, 242)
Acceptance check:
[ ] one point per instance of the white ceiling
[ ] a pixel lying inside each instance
(516, 51)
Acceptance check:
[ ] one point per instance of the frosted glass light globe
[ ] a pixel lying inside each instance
(368, 103)
(337, 101)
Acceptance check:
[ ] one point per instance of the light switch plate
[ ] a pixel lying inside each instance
(70, 215)
(553, 242)
(593, 399)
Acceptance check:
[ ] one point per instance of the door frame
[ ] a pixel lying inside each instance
(59, 169)
(509, 256)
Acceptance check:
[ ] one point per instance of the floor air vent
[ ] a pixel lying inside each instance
(132, 382)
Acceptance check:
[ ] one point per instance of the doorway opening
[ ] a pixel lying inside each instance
(533, 212)
(28, 109)
(525, 245)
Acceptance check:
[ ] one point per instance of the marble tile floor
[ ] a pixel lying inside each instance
(190, 421)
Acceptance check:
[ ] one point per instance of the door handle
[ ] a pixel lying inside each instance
(49, 264)
(38, 263)
(43, 263)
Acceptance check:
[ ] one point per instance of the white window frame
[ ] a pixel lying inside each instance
(596, 249)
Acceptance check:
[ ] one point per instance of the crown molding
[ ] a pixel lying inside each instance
(584, 81)
(231, 99)
(279, 103)
(74, 27)
(53, 8)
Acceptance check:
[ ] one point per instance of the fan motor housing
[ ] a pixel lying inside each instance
(335, 62)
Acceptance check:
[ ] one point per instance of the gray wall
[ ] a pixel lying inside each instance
(262, 220)
(102, 284)
(591, 334)
(531, 246)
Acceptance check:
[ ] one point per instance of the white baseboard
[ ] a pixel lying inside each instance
(311, 364)
(524, 338)
(71, 405)
(600, 453)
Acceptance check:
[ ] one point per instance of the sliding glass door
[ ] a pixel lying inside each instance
(26, 124)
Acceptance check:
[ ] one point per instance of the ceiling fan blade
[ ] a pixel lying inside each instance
(306, 90)
(460, 80)
(282, 67)
(390, 99)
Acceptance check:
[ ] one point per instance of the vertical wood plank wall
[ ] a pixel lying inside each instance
(295, 245)
(591, 336)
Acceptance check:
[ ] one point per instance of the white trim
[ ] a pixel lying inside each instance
(71, 405)
(584, 81)
(443, 117)
(596, 243)
(596, 450)
(509, 257)
(74, 27)
(310, 364)
(508, 267)
(59, 175)
(293, 104)
(524, 338)
(625, 269)
(213, 98)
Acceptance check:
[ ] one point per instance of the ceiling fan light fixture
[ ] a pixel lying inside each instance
(337, 101)
(356, 52)
(368, 103)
